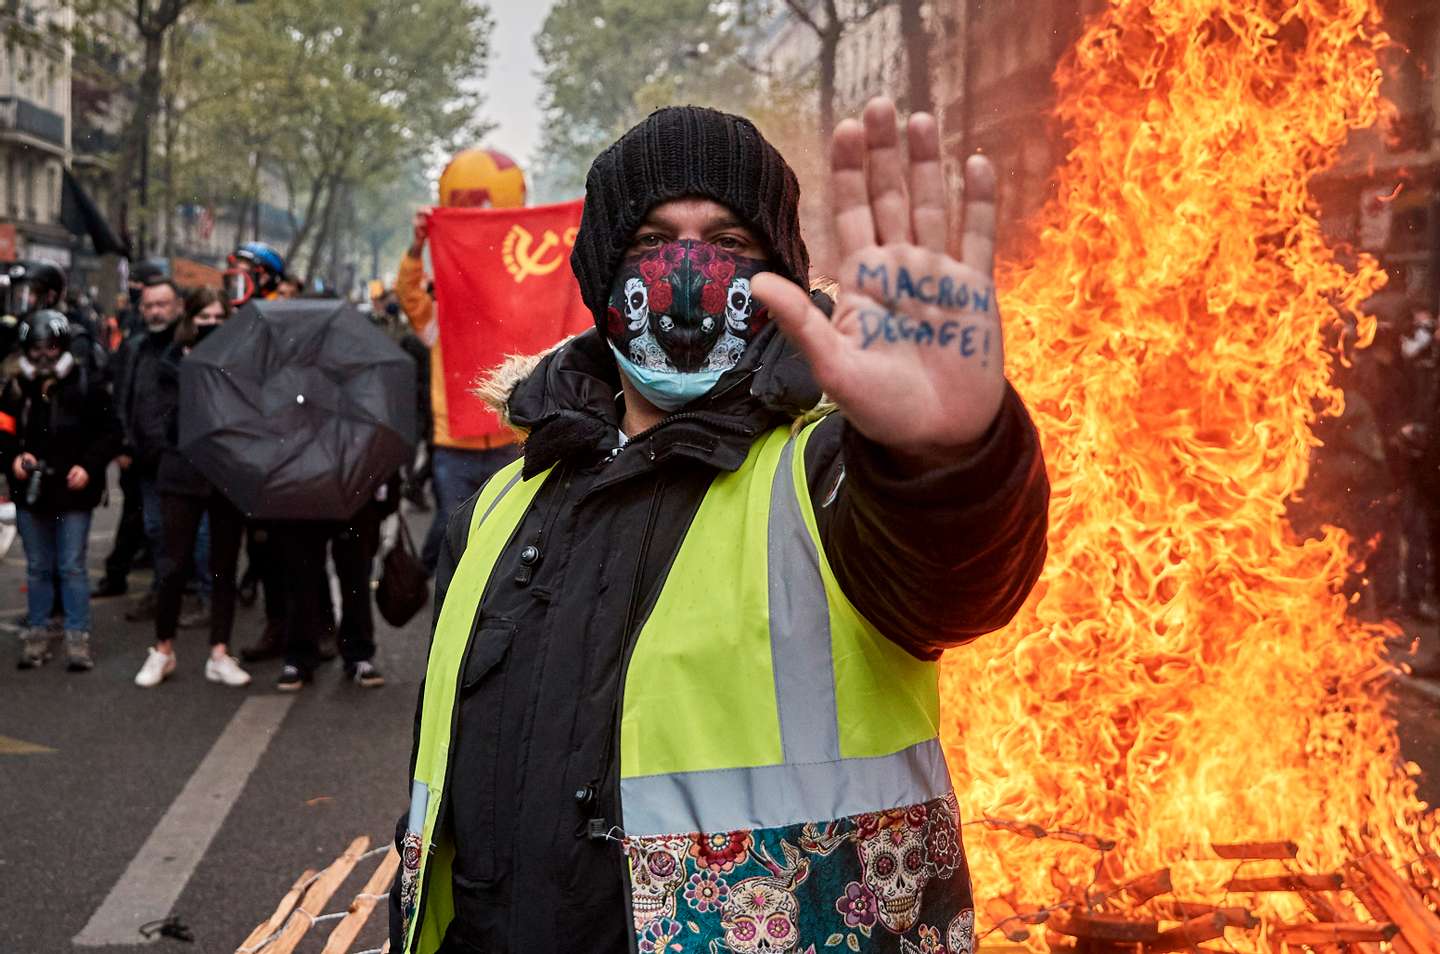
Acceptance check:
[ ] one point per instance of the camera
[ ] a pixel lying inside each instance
(36, 471)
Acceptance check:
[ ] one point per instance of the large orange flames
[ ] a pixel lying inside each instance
(1185, 672)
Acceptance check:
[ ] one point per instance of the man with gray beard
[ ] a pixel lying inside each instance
(143, 407)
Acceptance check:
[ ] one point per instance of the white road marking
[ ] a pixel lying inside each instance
(158, 873)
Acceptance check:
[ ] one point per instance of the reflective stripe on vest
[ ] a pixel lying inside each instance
(756, 696)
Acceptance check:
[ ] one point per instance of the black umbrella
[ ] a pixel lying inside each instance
(297, 410)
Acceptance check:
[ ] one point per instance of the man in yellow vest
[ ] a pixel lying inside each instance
(681, 694)
(474, 178)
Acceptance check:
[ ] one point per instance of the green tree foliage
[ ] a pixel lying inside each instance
(332, 98)
(606, 63)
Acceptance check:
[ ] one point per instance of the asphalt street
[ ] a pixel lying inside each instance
(119, 804)
(91, 765)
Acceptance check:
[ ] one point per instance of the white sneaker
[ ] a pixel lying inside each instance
(158, 667)
(226, 670)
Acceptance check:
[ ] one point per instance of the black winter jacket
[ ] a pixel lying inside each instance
(142, 401)
(65, 424)
(932, 561)
(176, 475)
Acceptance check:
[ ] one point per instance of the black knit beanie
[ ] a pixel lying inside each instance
(679, 152)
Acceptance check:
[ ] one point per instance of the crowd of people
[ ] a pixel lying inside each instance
(82, 391)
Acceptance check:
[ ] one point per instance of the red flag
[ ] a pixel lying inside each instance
(503, 286)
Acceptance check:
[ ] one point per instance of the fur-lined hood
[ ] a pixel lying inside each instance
(495, 387)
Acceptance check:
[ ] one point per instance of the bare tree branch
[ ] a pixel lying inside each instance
(804, 15)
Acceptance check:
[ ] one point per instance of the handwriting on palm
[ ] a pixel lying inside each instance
(913, 354)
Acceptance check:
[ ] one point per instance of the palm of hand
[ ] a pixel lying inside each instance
(913, 355)
(921, 364)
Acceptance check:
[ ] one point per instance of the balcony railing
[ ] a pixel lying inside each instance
(93, 141)
(21, 115)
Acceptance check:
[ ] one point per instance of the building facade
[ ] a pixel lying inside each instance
(34, 129)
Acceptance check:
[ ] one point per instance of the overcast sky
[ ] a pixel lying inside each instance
(513, 92)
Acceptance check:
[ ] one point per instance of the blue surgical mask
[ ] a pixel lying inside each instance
(667, 390)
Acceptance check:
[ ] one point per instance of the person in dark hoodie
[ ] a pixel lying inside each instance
(57, 436)
(682, 687)
(186, 498)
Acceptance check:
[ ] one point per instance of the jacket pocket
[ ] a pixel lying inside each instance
(491, 643)
(479, 774)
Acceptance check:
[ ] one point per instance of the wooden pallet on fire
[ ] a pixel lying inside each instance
(1372, 906)
(303, 906)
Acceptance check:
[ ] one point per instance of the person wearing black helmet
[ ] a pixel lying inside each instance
(36, 285)
(57, 436)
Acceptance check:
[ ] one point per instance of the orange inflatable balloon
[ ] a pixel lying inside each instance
(478, 178)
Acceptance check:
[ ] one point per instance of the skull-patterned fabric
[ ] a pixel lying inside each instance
(892, 881)
(684, 307)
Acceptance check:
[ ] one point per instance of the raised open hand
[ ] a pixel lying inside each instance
(913, 354)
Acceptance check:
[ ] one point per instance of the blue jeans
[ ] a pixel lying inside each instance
(458, 476)
(55, 545)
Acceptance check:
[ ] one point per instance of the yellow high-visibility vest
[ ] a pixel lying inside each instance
(823, 717)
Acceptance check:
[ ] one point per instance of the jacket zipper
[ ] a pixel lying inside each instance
(609, 765)
(709, 417)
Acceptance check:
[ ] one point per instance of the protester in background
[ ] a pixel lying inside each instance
(264, 571)
(385, 311)
(57, 436)
(132, 323)
(131, 547)
(298, 549)
(475, 178)
(37, 285)
(256, 271)
(185, 498)
(353, 548)
(289, 287)
(145, 407)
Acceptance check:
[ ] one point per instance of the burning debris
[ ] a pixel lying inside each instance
(1371, 900)
(1185, 672)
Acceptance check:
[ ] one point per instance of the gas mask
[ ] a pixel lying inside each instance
(41, 364)
(680, 316)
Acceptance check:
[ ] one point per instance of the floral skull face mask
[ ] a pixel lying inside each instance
(680, 316)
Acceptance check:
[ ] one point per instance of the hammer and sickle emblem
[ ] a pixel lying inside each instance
(524, 258)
